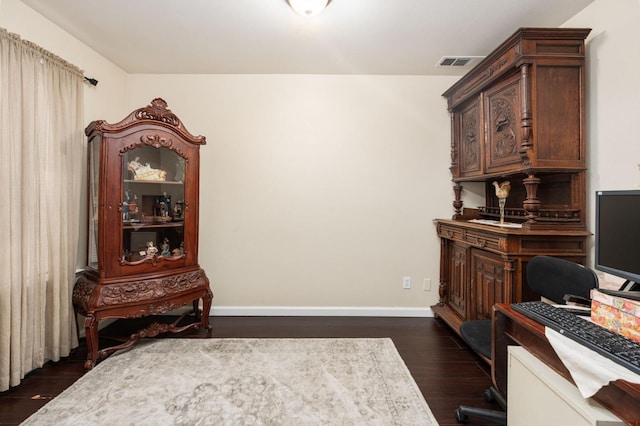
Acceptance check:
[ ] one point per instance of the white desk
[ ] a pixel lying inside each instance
(537, 395)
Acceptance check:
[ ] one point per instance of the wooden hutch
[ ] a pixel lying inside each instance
(143, 184)
(518, 116)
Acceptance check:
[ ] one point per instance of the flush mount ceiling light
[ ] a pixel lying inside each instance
(308, 7)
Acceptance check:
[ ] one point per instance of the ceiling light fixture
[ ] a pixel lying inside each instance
(308, 7)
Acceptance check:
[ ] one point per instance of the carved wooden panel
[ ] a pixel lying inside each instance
(143, 290)
(484, 264)
(457, 283)
(488, 282)
(503, 125)
(470, 150)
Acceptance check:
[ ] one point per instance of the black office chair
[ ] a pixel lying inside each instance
(477, 334)
(555, 279)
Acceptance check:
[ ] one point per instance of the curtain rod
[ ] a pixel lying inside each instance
(91, 81)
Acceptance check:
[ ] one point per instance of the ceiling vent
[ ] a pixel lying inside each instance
(459, 61)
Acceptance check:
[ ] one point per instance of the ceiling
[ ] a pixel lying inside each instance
(403, 37)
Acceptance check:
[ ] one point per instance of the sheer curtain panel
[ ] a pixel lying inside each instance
(42, 158)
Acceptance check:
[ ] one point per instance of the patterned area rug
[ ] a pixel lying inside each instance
(244, 382)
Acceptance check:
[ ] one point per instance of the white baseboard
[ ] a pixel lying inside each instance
(292, 311)
(321, 311)
(305, 311)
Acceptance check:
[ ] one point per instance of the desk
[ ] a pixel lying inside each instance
(512, 328)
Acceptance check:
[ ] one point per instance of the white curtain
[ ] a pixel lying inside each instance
(41, 162)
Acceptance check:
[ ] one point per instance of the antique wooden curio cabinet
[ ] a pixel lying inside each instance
(142, 259)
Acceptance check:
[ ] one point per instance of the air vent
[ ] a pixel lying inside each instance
(459, 61)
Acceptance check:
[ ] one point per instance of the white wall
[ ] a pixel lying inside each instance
(319, 191)
(613, 97)
(107, 100)
(613, 90)
(316, 191)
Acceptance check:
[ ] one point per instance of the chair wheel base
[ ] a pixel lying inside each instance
(463, 412)
(460, 417)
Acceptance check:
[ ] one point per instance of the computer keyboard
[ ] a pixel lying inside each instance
(613, 346)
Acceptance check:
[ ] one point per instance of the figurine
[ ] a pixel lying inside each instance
(177, 210)
(164, 248)
(125, 207)
(132, 208)
(145, 171)
(165, 205)
(152, 250)
(179, 251)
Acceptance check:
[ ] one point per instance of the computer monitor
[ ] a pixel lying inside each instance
(617, 235)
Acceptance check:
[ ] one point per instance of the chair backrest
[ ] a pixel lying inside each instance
(552, 278)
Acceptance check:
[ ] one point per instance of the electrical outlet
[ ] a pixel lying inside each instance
(426, 284)
(406, 282)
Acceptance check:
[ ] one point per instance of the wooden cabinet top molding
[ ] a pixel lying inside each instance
(156, 113)
(526, 45)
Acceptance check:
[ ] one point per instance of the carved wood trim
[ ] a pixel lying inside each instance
(503, 126)
(154, 260)
(525, 144)
(148, 290)
(156, 141)
(82, 291)
(156, 111)
(457, 203)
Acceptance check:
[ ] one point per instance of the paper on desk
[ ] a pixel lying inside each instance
(589, 370)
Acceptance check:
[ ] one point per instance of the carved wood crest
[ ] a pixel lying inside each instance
(158, 111)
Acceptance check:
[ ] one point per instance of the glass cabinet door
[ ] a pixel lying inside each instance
(152, 205)
(95, 149)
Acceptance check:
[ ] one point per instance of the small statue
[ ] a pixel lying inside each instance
(165, 205)
(141, 171)
(177, 210)
(133, 208)
(152, 250)
(164, 248)
(125, 206)
(502, 192)
(179, 251)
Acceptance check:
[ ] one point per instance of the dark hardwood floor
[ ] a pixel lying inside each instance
(446, 371)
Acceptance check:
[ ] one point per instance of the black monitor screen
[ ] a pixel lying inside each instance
(618, 233)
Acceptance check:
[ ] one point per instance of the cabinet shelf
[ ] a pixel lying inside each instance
(544, 215)
(155, 182)
(145, 225)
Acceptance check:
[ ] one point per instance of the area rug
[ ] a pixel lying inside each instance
(244, 382)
